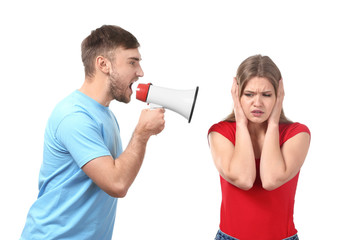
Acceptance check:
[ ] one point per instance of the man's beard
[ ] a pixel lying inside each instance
(118, 93)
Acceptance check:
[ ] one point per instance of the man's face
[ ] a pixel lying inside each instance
(125, 70)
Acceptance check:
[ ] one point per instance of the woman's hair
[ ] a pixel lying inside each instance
(257, 66)
(103, 41)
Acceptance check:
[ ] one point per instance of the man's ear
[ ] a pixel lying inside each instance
(103, 64)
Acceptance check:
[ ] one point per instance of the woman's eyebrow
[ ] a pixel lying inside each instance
(251, 91)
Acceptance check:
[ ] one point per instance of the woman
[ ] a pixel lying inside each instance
(258, 153)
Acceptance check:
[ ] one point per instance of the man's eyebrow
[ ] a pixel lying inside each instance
(134, 58)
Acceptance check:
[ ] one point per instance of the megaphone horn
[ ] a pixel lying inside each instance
(180, 101)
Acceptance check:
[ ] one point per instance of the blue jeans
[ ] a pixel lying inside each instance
(223, 236)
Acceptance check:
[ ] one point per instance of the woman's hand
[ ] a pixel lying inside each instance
(239, 113)
(276, 112)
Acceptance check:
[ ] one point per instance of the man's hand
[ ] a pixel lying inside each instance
(151, 122)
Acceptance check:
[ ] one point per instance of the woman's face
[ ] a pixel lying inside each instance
(258, 99)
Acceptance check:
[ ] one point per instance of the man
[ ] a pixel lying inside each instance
(84, 167)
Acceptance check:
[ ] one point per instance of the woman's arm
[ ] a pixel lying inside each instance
(236, 163)
(279, 165)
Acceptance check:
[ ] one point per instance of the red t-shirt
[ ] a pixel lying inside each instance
(258, 214)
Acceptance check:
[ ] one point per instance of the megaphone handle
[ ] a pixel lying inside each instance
(154, 106)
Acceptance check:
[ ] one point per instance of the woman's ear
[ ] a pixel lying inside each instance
(235, 79)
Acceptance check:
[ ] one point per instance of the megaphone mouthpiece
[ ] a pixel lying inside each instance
(142, 91)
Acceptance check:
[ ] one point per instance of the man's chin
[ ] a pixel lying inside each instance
(123, 99)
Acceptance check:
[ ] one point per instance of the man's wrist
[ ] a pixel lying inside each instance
(141, 135)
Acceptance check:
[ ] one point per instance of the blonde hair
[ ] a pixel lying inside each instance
(258, 66)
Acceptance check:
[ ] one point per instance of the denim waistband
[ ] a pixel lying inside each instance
(295, 237)
(223, 236)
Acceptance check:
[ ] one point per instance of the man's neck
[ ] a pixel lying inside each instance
(96, 88)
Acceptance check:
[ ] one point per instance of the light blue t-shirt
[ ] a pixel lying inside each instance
(70, 205)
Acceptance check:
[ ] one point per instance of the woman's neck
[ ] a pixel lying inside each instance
(257, 133)
(257, 129)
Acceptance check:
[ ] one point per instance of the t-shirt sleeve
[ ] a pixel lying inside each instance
(224, 128)
(292, 130)
(82, 137)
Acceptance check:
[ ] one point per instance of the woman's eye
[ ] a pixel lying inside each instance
(266, 95)
(248, 94)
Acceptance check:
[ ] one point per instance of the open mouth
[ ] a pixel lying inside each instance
(257, 113)
(131, 84)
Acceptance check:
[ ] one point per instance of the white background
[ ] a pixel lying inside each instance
(185, 44)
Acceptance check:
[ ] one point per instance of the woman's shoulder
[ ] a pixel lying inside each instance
(222, 126)
(293, 126)
(225, 128)
(288, 130)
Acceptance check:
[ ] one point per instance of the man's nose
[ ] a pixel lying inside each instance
(140, 72)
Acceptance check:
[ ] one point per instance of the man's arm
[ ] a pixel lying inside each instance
(116, 176)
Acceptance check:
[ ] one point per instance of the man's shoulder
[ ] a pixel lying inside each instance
(71, 105)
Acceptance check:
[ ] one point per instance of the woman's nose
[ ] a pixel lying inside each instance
(257, 101)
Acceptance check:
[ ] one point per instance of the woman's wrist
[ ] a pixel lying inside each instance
(241, 124)
(273, 124)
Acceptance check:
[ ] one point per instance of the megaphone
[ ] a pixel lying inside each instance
(180, 101)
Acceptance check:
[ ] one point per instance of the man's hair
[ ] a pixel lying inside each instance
(102, 42)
